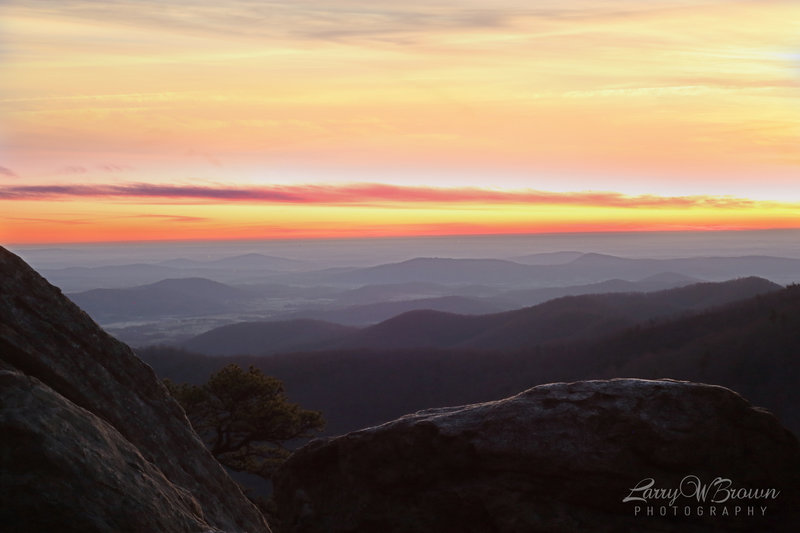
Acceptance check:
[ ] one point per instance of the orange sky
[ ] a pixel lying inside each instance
(157, 120)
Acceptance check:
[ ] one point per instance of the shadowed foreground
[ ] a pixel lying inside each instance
(92, 441)
(556, 458)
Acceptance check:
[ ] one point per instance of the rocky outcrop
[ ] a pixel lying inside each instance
(91, 440)
(607, 456)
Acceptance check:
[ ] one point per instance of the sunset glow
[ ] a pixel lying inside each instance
(197, 120)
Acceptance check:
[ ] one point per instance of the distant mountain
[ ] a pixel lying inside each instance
(591, 316)
(443, 270)
(198, 286)
(248, 268)
(84, 278)
(266, 337)
(386, 292)
(667, 280)
(368, 314)
(585, 269)
(421, 329)
(778, 269)
(567, 318)
(246, 261)
(661, 281)
(182, 296)
(549, 258)
(563, 318)
(750, 345)
(595, 260)
(290, 292)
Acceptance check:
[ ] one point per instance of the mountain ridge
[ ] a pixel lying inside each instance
(163, 298)
(566, 317)
(757, 341)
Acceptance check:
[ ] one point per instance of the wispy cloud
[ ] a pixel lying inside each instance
(4, 171)
(70, 221)
(171, 218)
(86, 169)
(73, 169)
(335, 20)
(210, 159)
(312, 19)
(365, 194)
(605, 94)
(110, 167)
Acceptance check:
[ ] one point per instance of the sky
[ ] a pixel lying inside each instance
(125, 120)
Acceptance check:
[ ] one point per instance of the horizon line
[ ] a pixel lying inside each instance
(598, 233)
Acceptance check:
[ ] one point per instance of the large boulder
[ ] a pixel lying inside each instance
(91, 439)
(613, 456)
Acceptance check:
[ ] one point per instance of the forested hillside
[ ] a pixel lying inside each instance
(566, 318)
(751, 346)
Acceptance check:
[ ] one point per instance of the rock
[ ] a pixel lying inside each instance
(561, 457)
(85, 475)
(91, 439)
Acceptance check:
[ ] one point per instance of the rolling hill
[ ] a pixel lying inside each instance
(660, 281)
(252, 261)
(751, 346)
(571, 317)
(368, 314)
(443, 270)
(585, 269)
(266, 337)
(182, 296)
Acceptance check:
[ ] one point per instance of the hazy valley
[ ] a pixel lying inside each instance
(445, 330)
(371, 342)
(399, 267)
(170, 294)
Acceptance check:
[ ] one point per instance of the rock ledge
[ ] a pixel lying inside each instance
(559, 458)
(91, 439)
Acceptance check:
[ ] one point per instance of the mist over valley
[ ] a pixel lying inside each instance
(485, 315)
(449, 320)
(168, 293)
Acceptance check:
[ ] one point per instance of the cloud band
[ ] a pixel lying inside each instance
(364, 194)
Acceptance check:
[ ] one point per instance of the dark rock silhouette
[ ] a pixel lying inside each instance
(556, 458)
(91, 440)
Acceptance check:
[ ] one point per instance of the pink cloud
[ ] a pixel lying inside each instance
(4, 171)
(365, 194)
(73, 169)
(173, 218)
(110, 167)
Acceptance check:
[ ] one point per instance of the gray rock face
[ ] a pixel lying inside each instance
(557, 458)
(91, 440)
